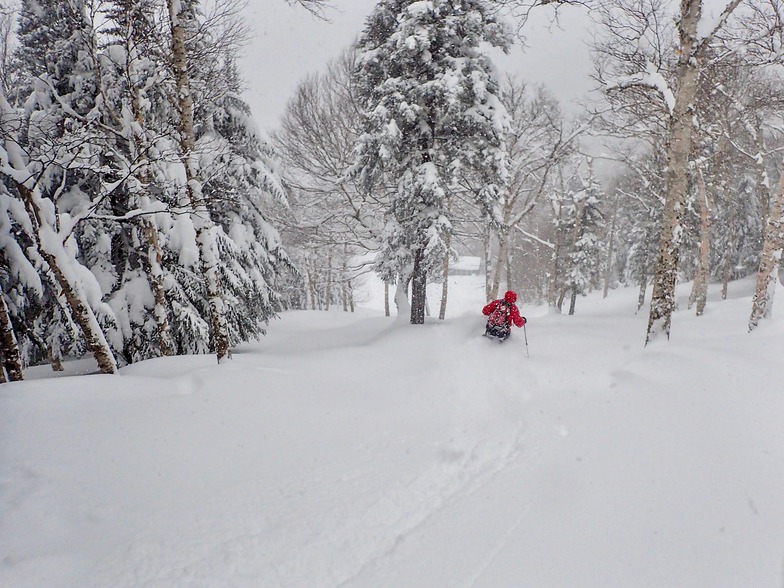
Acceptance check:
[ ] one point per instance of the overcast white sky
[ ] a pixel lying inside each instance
(289, 43)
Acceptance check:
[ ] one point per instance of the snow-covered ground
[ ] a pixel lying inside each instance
(357, 450)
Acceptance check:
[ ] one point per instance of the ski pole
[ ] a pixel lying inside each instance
(525, 334)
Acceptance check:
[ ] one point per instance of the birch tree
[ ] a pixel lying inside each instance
(764, 27)
(182, 18)
(770, 260)
(692, 46)
(331, 215)
(694, 35)
(538, 142)
(43, 144)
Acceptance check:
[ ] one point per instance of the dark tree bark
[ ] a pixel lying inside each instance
(418, 290)
(12, 359)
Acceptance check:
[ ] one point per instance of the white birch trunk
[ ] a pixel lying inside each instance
(401, 296)
(699, 295)
(770, 260)
(498, 264)
(50, 249)
(576, 234)
(552, 287)
(328, 295)
(726, 272)
(150, 234)
(488, 264)
(445, 284)
(205, 238)
(610, 247)
(679, 149)
(690, 54)
(156, 278)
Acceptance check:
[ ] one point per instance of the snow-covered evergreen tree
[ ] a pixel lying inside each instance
(584, 222)
(98, 249)
(432, 113)
(137, 115)
(239, 185)
(50, 162)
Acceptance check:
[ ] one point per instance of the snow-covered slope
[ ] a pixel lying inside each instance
(356, 450)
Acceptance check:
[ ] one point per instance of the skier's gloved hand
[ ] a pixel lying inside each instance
(525, 320)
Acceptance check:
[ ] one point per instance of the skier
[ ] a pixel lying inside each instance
(501, 314)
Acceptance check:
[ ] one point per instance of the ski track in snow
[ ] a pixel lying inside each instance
(484, 433)
(502, 542)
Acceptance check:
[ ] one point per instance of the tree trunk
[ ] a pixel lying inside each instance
(401, 295)
(150, 235)
(328, 294)
(561, 297)
(12, 359)
(499, 264)
(573, 300)
(84, 317)
(53, 344)
(761, 180)
(726, 272)
(156, 277)
(610, 247)
(552, 294)
(509, 281)
(576, 235)
(679, 149)
(445, 285)
(311, 289)
(699, 294)
(79, 309)
(56, 359)
(762, 303)
(418, 290)
(643, 288)
(690, 56)
(488, 265)
(386, 298)
(205, 239)
(343, 280)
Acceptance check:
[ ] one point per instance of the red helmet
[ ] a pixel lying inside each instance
(510, 297)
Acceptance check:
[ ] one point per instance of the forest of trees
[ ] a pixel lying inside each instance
(143, 214)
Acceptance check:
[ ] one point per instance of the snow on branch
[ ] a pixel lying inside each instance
(650, 78)
(532, 237)
(710, 24)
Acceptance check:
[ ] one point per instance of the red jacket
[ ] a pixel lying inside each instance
(512, 317)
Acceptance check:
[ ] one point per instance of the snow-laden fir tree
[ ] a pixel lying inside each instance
(239, 184)
(100, 249)
(432, 114)
(48, 160)
(192, 123)
(584, 222)
(137, 120)
(183, 20)
(640, 193)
